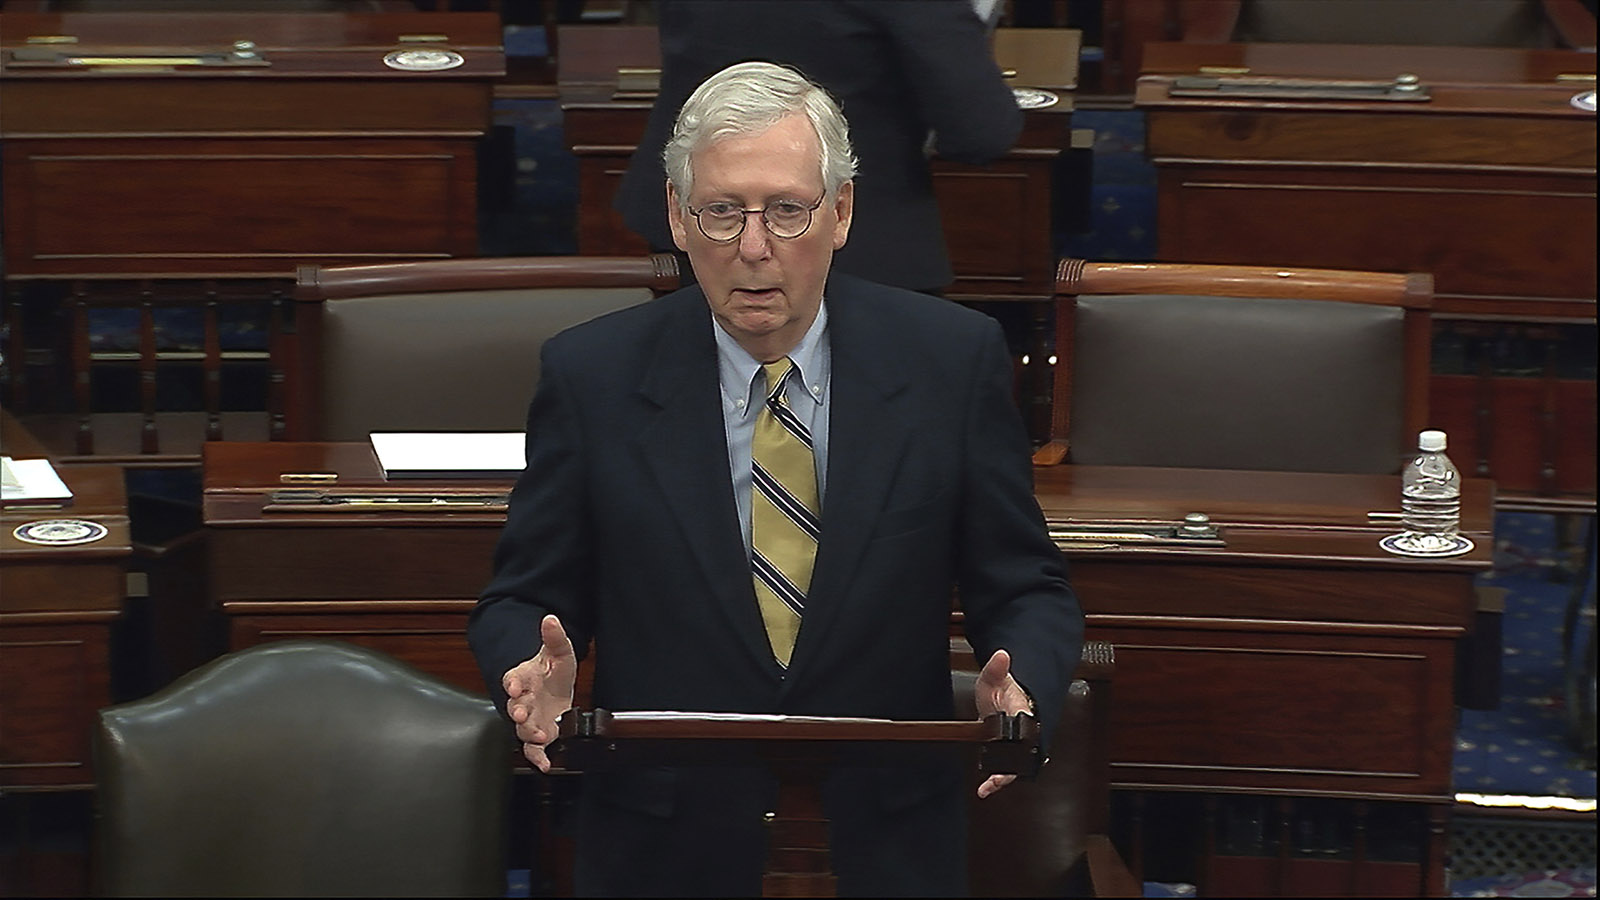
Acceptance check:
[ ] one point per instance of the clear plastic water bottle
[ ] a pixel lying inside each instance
(1430, 498)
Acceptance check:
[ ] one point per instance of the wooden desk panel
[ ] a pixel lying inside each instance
(56, 612)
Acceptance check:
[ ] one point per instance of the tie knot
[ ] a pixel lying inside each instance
(777, 372)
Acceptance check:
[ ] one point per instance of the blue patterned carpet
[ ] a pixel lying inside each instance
(1522, 748)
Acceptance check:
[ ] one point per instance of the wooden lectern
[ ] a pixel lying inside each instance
(796, 748)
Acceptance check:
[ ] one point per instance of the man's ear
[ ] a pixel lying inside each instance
(675, 216)
(843, 207)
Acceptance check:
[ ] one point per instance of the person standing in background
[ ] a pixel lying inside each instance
(912, 78)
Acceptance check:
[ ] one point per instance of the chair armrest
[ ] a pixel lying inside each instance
(1108, 875)
(1053, 453)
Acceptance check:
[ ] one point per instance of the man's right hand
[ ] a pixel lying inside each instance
(540, 690)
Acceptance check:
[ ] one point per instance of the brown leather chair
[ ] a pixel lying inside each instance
(1238, 367)
(300, 768)
(1048, 837)
(451, 345)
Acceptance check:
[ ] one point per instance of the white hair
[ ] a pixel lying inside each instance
(748, 98)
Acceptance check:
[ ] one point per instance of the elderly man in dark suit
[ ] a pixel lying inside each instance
(758, 495)
(910, 77)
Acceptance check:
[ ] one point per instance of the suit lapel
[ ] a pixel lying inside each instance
(866, 439)
(685, 449)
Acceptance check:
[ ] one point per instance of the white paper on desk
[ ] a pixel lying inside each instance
(32, 481)
(450, 454)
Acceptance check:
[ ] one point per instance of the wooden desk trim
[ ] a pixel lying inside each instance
(1285, 626)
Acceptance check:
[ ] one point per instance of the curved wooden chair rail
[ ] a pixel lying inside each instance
(1413, 290)
(658, 272)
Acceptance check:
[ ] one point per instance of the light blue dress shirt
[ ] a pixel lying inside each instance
(744, 390)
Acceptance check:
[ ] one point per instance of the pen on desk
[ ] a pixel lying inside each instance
(1385, 515)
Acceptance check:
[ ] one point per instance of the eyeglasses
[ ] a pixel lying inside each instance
(787, 219)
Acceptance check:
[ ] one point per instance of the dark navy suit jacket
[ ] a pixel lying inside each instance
(624, 525)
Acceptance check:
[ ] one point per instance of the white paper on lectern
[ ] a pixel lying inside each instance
(32, 480)
(442, 454)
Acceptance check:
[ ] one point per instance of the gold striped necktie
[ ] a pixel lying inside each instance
(783, 513)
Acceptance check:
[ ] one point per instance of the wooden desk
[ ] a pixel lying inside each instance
(1297, 660)
(1489, 185)
(56, 611)
(402, 584)
(231, 169)
(1298, 657)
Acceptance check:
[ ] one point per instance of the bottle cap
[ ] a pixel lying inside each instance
(1431, 441)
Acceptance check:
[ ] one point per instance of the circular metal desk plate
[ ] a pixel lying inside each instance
(1457, 546)
(59, 532)
(1033, 98)
(423, 60)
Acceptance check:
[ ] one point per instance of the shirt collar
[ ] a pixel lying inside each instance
(737, 368)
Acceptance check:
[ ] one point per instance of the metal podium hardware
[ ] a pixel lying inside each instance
(312, 500)
(1404, 87)
(1196, 530)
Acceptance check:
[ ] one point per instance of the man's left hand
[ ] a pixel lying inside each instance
(996, 692)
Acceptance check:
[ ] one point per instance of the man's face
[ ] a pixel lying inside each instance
(765, 291)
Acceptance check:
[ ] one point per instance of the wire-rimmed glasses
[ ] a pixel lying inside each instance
(722, 221)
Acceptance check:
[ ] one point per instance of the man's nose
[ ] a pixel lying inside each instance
(754, 241)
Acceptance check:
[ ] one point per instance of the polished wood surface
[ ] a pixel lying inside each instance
(659, 272)
(294, 152)
(56, 612)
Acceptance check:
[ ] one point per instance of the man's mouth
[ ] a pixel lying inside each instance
(756, 293)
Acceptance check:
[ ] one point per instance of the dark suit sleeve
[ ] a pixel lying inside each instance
(542, 562)
(944, 55)
(1012, 578)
